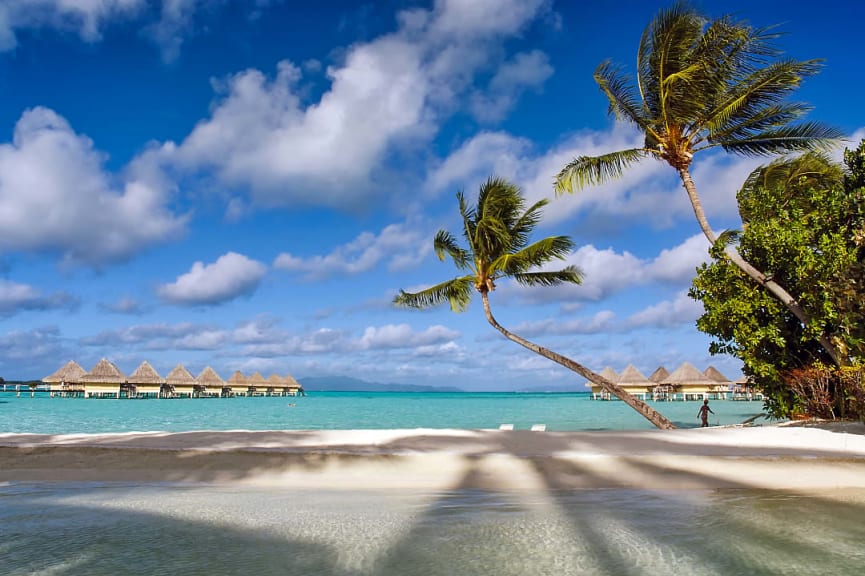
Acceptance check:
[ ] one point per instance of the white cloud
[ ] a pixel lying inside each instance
(402, 245)
(403, 336)
(175, 21)
(681, 310)
(53, 176)
(16, 297)
(232, 275)
(527, 70)
(125, 305)
(606, 271)
(386, 97)
(603, 321)
(84, 17)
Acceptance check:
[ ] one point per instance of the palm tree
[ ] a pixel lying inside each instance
(700, 85)
(498, 232)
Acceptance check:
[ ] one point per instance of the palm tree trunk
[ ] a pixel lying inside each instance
(773, 287)
(641, 407)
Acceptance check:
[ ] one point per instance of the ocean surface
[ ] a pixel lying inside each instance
(347, 411)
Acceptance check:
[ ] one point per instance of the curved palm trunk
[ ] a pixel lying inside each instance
(641, 407)
(773, 287)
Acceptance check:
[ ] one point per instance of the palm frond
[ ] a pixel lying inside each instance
(586, 171)
(535, 255)
(445, 244)
(624, 104)
(457, 292)
(727, 238)
(523, 227)
(569, 275)
(805, 136)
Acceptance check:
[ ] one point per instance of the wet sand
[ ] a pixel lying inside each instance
(797, 458)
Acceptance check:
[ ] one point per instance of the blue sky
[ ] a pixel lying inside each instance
(246, 184)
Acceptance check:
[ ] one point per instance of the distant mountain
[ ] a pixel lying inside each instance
(348, 384)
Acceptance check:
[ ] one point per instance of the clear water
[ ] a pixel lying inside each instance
(347, 411)
(194, 530)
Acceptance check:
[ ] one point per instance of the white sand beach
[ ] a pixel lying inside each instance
(793, 458)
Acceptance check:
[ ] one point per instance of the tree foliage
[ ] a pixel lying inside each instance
(803, 220)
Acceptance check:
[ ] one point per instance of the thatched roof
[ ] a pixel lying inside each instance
(145, 374)
(291, 382)
(687, 374)
(607, 373)
(209, 377)
(179, 375)
(631, 375)
(659, 375)
(256, 380)
(237, 379)
(276, 380)
(715, 374)
(70, 372)
(104, 372)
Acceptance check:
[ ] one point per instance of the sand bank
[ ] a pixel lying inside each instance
(770, 457)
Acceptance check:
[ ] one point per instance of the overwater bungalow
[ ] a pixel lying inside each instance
(145, 382)
(180, 382)
(66, 381)
(691, 384)
(105, 380)
(256, 385)
(275, 385)
(235, 386)
(210, 384)
(597, 391)
(635, 383)
(293, 387)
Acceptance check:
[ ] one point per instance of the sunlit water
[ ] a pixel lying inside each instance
(121, 529)
(346, 411)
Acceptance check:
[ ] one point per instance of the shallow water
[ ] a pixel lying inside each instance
(347, 411)
(111, 529)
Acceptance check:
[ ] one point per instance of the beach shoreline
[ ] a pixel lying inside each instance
(797, 458)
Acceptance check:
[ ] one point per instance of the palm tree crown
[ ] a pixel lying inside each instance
(702, 84)
(497, 232)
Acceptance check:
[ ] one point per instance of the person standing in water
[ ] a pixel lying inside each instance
(703, 414)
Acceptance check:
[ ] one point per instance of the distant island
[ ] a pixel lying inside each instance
(349, 384)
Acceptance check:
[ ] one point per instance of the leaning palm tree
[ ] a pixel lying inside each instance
(498, 231)
(700, 85)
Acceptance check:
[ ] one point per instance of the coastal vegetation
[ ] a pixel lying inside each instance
(498, 234)
(703, 84)
(803, 223)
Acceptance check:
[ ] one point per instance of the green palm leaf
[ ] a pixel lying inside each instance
(592, 170)
(571, 274)
(457, 292)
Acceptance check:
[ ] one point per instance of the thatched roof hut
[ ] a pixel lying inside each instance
(291, 382)
(659, 375)
(145, 374)
(69, 373)
(210, 378)
(631, 375)
(275, 381)
(237, 379)
(688, 374)
(180, 376)
(104, 372)
(609, 374)
(715, 374)
(256, 380)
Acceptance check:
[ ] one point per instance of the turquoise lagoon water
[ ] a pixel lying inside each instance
(345, 411)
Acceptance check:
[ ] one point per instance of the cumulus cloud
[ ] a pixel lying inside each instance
(175, 21)
(681, 310)
(84, 17)
(648, 193)
(403, 336)
(607, 271)
(16, 297)
(527, 70)
(386, 92)
(28, 347)
(602, 321)
(53, 176)
(401, 245)
(231, 276)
